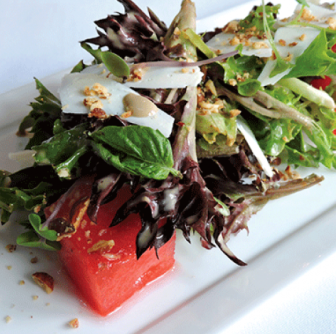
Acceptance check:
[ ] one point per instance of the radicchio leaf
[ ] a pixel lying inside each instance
(133, 35)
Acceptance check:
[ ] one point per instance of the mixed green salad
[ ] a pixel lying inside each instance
(196, 125)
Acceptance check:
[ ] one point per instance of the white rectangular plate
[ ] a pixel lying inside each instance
(205, 292)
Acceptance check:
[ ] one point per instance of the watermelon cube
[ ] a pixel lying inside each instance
(102, 261)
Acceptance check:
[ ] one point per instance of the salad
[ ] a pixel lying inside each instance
(196, 125)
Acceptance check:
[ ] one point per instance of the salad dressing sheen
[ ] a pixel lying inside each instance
(139, 105)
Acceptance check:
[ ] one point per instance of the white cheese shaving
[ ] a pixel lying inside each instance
(315, 14)
(254, 146)
(289, 42)
(156, 77)
(167, 77)
(71, 94)
(256, 47)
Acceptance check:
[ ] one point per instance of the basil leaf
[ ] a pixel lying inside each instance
(115, 64)
(138, 150)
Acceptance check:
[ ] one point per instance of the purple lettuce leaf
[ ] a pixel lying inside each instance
(133, 35)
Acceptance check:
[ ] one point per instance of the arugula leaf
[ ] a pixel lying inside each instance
(256, 17)
(240, 66)
(31, 239)
(315, 61)
(42, 117)
(135, 149)
(303, 2)
(29, 189)
(63, 150)
(13, 199)
(281, 65)
(35, 221)
(299, 153)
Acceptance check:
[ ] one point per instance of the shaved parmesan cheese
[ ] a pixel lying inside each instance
(226, 42)
(290, 44)
(167, 77)
(315, 14)
(72, 95)
(254, 146)
(264, 76)
(156, 77)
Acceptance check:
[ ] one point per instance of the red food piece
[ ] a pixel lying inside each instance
(102, 261)
(321, 83)
(333, 49)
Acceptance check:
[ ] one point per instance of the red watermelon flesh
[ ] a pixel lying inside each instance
(102, 261)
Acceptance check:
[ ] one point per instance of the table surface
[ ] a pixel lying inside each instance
(41, 37)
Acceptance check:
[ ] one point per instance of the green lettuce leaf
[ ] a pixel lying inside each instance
(41, 118)
(209, 126)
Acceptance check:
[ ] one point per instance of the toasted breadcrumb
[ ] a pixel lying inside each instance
(232, 82)
(11, 248)
(101, 246)
(93, 103)
(8, 319)
(234, 41)
(234, 112)
(34, 260)
(307, 15)
(332, 23)
(74, 323)
(126, 114)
